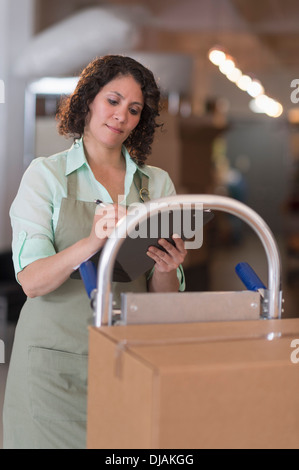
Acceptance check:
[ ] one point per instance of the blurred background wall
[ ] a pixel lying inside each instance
(213, 141)
(16, 28)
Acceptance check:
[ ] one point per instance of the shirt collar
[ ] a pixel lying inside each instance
(131, 165)
(76, 158)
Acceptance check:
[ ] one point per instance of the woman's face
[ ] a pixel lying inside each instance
(114, 112)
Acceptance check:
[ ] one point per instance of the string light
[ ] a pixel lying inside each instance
(217, 56)
(268, 106)
(227, 66)
(244, 82)
(234, 75)
(255, 88)
(261, 102)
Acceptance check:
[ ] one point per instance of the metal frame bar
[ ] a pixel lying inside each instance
(105, 267)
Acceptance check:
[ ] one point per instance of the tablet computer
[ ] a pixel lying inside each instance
(132, 260)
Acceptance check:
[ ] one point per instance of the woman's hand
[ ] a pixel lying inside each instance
(164, 278)
(170, 259)
(104, 222)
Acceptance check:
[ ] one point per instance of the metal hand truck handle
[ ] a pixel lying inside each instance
(103, 308)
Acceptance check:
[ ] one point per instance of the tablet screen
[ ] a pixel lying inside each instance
(132, 260)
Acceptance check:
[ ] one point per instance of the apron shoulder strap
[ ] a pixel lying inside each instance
(72, 185)
(141, 183)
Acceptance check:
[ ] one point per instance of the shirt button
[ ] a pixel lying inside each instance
(22, 235)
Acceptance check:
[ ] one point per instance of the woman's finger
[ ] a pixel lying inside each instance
(177, 252)
(179, 243)
(163, 261)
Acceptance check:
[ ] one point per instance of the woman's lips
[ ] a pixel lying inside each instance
(114, 129)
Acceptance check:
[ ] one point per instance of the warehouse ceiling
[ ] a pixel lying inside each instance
(276, 25)
(262, 36)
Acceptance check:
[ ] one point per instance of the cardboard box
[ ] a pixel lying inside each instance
(194, 386)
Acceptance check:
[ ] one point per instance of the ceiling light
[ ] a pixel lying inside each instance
(267, 105)
(216, 56)
(254, 107)
(244, 82)
(234, 74)
(255, 88)
(227, 66)
(53, 86)
(261, 102)
(275, 109)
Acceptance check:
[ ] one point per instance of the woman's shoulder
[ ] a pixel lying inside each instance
(55, 162)
(46, 172)
(160, 183)
(155, 172)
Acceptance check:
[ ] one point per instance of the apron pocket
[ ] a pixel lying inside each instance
(57, 385)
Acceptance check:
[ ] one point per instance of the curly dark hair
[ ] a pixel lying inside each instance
(73, 110)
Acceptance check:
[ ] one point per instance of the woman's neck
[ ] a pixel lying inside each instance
(99, 156)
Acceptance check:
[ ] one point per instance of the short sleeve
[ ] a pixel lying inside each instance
(31, 217)
(181, 278)
(160, 183)
(180, 275)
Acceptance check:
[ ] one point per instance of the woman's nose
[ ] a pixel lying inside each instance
(120, 115)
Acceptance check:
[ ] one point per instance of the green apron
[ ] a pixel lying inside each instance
(46, 390)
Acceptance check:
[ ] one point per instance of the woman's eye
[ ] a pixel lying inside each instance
(112, 102)
(134, 111)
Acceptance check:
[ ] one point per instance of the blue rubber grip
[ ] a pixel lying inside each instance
(249, 277)
(88, 273)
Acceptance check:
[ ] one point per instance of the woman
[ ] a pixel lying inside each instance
(112, 114)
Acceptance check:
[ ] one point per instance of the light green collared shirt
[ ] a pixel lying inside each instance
(35, 210)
